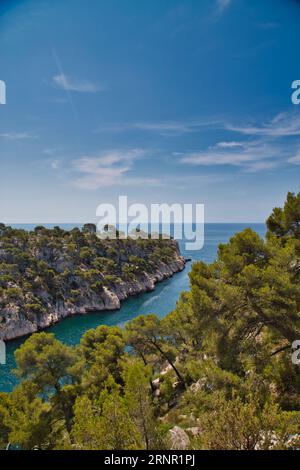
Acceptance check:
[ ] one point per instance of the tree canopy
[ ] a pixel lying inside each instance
(219, 366)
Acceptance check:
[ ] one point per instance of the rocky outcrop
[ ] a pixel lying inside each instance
(178, 439)
(15, 323)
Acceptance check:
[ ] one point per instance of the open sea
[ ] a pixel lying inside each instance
(161, 301)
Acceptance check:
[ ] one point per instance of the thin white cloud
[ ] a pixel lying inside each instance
(107, 169)
(82, 86)
(230, 144)
(252, 156)
(51, 151)
(282, 125)
(163, 128)
(166, 128)
(17, 136)
(269, 145)
(295, 159)
(263, 148)
(263, 165)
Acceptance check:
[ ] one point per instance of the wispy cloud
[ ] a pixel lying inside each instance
(230, 144)
(108, 169)
(222, 5)
(17, 136)
(295, 159)
(251, 156)
(256, 166)
(55, 164)
(270, 145)
(263, 146)
(282, 125)
(52, 150)
(68, 96)
(82, 86)
(175, 128)
(163, 128)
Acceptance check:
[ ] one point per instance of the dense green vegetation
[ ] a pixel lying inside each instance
(219, 366)
(47, 269)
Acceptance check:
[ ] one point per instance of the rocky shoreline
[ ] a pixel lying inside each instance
(18, 324)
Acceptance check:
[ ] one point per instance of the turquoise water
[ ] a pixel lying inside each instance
(161, 301)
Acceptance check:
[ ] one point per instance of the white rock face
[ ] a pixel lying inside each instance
(195, 431)
(178, 438)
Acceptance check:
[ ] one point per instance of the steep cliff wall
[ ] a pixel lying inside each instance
(48, 275)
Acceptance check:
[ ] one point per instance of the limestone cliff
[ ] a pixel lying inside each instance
(48, 275)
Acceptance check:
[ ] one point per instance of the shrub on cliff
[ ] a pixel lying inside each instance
(39, 268)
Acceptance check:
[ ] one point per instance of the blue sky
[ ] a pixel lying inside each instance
(161, 100)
